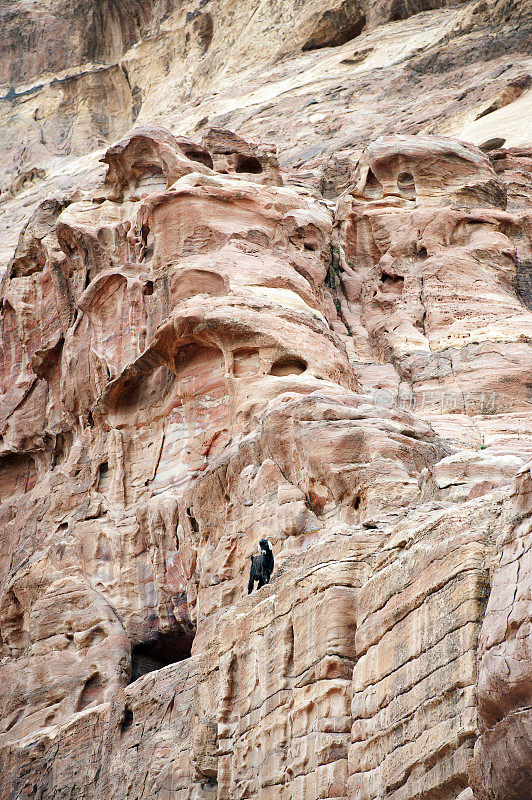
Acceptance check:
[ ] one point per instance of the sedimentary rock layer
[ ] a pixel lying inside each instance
(300, 309)
(196, 356)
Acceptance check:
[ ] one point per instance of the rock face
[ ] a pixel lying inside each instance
(503, 753)
(207, 340)
(189, 366)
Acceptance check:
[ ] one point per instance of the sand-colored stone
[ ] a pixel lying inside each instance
(261, 280)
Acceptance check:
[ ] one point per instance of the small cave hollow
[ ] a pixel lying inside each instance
(104, 477)
(248, 164)
(202, 157)
(150, 180)
(524, 282)
(192, 520)
(14, 719)
(148, 289)
(373, 189)
(336, 27)
(288, 365)
(147, 243)
(406, 185)
(393, 283)
(161, 649)
(126, 722)
(92, 692)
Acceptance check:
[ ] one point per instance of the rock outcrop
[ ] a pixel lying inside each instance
(193, 359)
(261, 281)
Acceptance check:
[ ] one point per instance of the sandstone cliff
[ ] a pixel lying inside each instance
(316, 329)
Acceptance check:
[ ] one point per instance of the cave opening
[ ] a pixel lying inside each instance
(524, 282)
(290, 365)
(196, 153)
(249, 164)
(336, 27)
(161, 649)
(373, 189)
(406, 185)
(104, 477)
(193, 521)
(127, 721)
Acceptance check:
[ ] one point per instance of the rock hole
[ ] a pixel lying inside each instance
(149, 180)
(392, 283)
(336, 27)
(524, 282)
(193, 521)
(92, 692)
(148, 288)
(147, 242)
(127, 721)
(63, 443)
(104, 477)
(387, 278)
(162, 649)
(13, 721)
(406, 185)
(202, 158)
(290, 365)
(197, 153)
(357, 503)
(249, 164)
(373, 187)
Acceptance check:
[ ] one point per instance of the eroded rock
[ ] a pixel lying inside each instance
(197, 355)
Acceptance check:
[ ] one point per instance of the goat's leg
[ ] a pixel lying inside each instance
(261, 582)
(250, 583)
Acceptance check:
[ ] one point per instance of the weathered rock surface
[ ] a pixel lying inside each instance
(206, 340)
(503, 753)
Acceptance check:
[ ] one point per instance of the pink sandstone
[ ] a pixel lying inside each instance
(207, 340)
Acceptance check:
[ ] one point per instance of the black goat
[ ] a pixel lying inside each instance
(261, 566)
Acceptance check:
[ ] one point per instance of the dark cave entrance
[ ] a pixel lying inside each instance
(160, 650)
